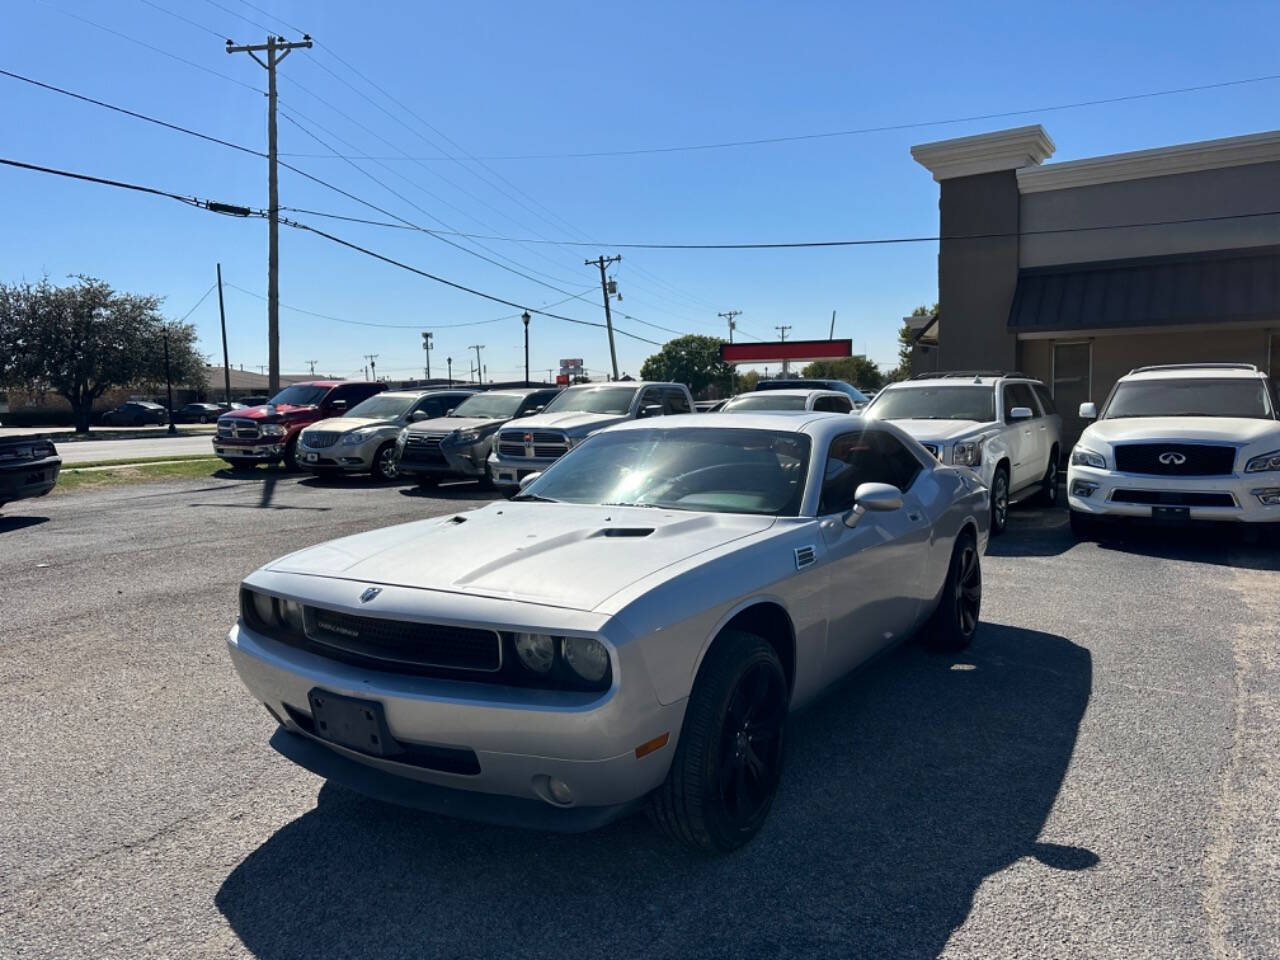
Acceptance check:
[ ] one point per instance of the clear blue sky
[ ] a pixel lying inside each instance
(519, 78)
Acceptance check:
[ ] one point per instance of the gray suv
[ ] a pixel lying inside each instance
(458, 444)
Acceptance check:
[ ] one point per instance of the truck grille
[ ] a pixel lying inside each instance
(319, 439)
(1175, 459)
(547, 444)
(383, 644)
(229, 427)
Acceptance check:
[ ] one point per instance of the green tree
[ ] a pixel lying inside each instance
(693, 360)
(859, 371)
(907, 342)
(82, 340)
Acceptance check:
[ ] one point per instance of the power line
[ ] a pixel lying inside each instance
(212, 287)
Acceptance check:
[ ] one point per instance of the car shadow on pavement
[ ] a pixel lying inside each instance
(1033, 532)
(906, 786)
(453, 490)
(10, 524)
(1226, 545)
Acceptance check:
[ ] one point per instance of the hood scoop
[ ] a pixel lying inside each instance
(624, 532)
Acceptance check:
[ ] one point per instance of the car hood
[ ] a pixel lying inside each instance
(347, 424)
(572, 422)
(268, 412)
(939, 430)
(558, 554)
(449, 424)
(1154, 429)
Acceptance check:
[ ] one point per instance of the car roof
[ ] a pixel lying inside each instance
(974, 381)
(819, 425)
(623, 383)
(1196, 371)
(819, 391)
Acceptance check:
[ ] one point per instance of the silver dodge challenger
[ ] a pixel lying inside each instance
(631, 629)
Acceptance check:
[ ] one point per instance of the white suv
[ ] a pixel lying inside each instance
(1177, 443)
(1003, 426)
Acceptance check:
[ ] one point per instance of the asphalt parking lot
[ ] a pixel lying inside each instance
(1096, 777)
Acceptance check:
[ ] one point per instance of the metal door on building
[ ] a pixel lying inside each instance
(1072, 386)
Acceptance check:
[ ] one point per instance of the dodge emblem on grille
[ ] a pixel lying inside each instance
(1172, 458)
(369, 594)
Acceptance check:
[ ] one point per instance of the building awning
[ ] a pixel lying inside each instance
(1224, 286)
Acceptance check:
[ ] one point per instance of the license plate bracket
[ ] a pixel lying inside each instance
(350, 722)
(1171, 514)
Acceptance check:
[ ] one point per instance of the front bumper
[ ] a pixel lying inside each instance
(519, 737)
(261, 450)
(337, 458)
(509, 471)
(469, 461)
(35, 478)
(1233, 498)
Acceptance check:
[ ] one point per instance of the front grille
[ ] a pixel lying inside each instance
(423, 448)
(1174, 498)
(240, 429)
(546, 444)
(1176, 459)
(548, 453)
(511, 449)
(404, 643)
(547, 436)
(423, 440)
(319, 439)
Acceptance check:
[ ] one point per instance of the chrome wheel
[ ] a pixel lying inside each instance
(750, 756)
(387, 466)
(968, 590)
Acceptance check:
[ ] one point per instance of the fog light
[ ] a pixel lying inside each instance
(1268, 496)
(1083, 488)
(559, 791)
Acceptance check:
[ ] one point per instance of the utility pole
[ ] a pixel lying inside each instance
(426, 348)
(373, 366)
(786, 366)
(276, 49)
(525, 317)
(602, 263)
(168, 379)
(731, 316)
(832, 334)
(477, 347)
(449, 360)
(312, 365)
(226, 364)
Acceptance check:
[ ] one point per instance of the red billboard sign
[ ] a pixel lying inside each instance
(562, 379)
(796, 351)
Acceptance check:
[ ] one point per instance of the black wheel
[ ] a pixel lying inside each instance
(203, 418)
(1049, 483)
(999, 500)
(291, 455)
(1084, 526)
(486, 479)
(428, 482)
(728, 761)
(955, 620)
(386, 467)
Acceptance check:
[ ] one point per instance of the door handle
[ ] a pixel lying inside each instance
(913, 517)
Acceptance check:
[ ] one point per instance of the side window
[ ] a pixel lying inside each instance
(651, 395)
(1045, 398)
(1018, 395)
(433, 407)
(868, 456)
(833, 405)
(674, 401)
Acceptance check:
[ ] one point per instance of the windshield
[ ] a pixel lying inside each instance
(718, 470)
(935, 403)
(764, 401)
(1189, 398)
(300, 395)
(382, 407)
(852, 392)
(593, 400)
(489, 406)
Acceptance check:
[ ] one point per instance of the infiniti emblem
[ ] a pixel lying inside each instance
(369, 594)
(1172, 458)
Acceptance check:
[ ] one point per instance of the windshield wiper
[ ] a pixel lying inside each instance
(533, 497)
(630, 503)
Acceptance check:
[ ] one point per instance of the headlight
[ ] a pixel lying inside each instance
(291, 614)
(272, 613)
(356, 436)
(272, 430)
(967, 453)
(1268, 461)
(466, 439)
(537, 651)
(587, 657)
(1084, 457)
(265, 608)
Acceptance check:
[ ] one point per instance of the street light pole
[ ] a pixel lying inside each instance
(426, 347)
(168, 379)
(525, 317)
(449, 360)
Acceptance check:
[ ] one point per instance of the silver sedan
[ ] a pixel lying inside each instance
(632, 629)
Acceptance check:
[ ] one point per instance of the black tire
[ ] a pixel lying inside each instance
(999, 500)
(1048, 496)
(427, 481)
(385, 465)
(1084, 526)
(728, 761)
(204, 419)
(291, 455)
(486, 479)
(955, 620)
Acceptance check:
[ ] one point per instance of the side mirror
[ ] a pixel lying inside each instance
(449, 412)
(339, 405)
(1088, 411)
(651, 410)
(1020, 413)
(877, 497)
(528, 478)
(417, 415)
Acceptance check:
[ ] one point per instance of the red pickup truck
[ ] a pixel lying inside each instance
(269, 433)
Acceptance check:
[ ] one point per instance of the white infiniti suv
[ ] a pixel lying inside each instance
(1177, 443)
(1003, 426)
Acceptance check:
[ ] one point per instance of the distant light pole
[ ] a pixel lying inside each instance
(168, 379)
(426, 348)
(449, 360)
(525, 317)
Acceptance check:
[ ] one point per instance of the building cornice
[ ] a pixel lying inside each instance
(985, 153)
(1160, 162)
